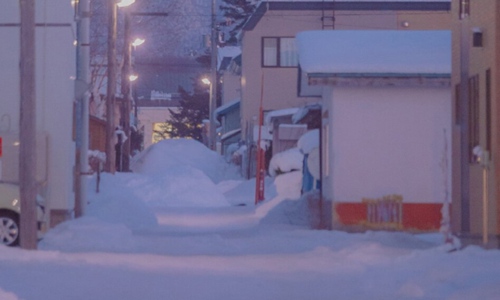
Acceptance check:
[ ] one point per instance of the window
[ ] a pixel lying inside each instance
(279, 52)
(473, 115)
(488, 109)
(160, 132)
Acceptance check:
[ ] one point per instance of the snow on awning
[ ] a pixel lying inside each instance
(279, 113)
(375, 51)
(230, 134)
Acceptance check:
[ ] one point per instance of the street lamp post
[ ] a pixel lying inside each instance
(125, 109)
(111, 87)
(213, 80)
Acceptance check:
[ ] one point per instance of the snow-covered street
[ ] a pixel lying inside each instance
(131, 247)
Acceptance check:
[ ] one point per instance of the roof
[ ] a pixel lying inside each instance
(280, 113)
(230, 106)
(404, 5)
(387, 52)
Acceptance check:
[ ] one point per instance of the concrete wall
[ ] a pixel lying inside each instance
(55, 71)
(386, 141)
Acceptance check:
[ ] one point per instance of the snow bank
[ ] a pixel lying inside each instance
(286, 161)
(180, 186)
(117, 203)
(88, 234)
(162, 156)
(289, 185)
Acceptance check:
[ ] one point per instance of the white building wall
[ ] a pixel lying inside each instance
(388, 141)
(55, 71)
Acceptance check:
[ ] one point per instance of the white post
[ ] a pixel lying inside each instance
(82, 96)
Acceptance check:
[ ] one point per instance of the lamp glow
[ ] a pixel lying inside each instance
(133, 77)
(124, 3)
(205, 81)
(138, 42)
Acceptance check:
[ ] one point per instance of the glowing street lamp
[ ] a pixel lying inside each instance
(132, 77)
(124, 3)
(138, 42)
(205, 81)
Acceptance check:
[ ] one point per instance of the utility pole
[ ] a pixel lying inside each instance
(27, 161)
(213, 80)
(82, 95)
(126, 107)
(111, 88)
(465, 150)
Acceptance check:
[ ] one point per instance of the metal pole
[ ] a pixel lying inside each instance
(27, 155)
(111, 88)
(213, 81)
(485, 163)
(127, 66)
(82, 91)
(465, 150)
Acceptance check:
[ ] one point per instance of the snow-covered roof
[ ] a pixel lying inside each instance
(224, 108)
(229, 134)
(279, 113)
(357, 1)
(227, 51)
(375, 51)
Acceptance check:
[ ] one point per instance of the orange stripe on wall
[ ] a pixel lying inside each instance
(351, 213)
(416, 216)
(422, 216)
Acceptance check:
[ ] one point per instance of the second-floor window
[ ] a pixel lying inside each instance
(279, 52)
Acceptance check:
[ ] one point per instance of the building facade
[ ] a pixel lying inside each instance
(55, 74)
(476, 140)
(269, 60)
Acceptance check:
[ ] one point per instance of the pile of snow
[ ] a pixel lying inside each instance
(117, 202)
(164, 155)
(286, 168)
(177, 186)
(308, 141)
(286, 161)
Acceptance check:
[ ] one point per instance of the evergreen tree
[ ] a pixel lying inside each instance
(187, 121)
(236, 13)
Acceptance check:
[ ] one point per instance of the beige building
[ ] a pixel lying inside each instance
(269, 59)
(476, 82)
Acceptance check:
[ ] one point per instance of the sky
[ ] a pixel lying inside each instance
(184, 225)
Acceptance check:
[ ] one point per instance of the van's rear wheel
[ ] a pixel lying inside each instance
(9, 228)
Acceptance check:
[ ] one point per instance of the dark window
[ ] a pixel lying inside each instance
(488, 109)
(473, 114)
(458, 107)
(279, 52)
